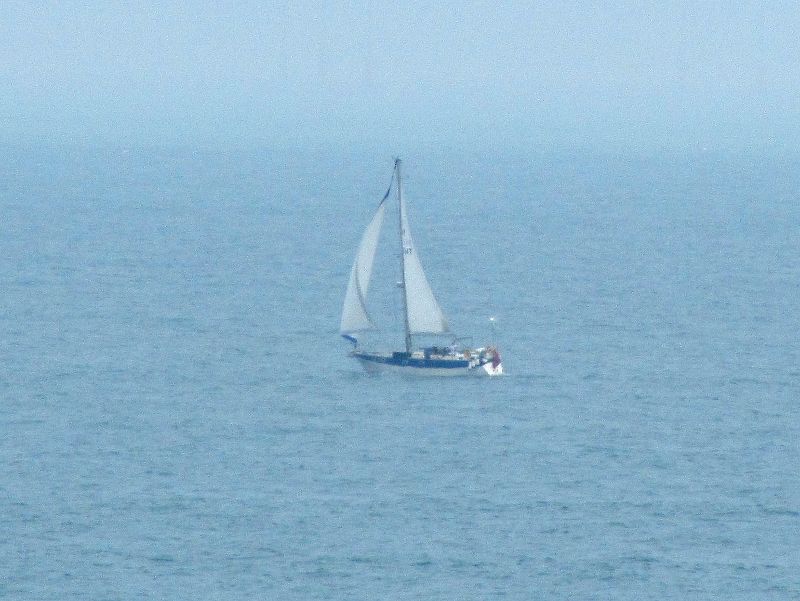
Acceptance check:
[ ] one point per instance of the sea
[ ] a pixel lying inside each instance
(179, 418)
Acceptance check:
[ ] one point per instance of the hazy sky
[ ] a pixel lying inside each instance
(394, 74)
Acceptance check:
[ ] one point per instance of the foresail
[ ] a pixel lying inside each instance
(424, 314)
(354, 312)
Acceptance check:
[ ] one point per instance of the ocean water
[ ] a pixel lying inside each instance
(180, 420)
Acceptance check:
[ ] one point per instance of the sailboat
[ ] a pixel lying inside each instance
(421, 311)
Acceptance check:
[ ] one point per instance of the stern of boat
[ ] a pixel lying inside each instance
(486, 360)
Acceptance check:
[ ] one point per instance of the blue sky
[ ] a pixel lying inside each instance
(476, 74)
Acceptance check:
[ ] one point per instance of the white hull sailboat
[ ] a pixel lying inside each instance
(421, 311)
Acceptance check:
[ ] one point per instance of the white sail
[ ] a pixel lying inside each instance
(424, 314)
(354, 312)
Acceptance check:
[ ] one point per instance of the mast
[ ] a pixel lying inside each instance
(397, 164)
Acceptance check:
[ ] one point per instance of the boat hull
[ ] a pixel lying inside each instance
(401, 363)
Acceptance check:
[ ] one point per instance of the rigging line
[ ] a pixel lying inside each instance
(391, 181)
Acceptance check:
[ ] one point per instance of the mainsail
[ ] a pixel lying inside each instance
(354, 313)
(424, 314)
